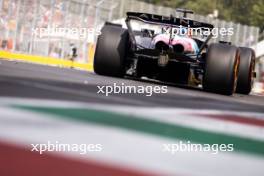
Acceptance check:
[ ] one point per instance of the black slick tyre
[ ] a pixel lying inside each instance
(221, 69)
(110, 53)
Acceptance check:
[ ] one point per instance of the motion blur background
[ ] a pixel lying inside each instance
(19, 17)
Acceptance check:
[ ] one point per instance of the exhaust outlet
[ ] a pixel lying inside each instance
(161, 46)
(178, 48)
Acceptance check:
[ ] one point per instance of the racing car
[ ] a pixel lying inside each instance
(165, 49)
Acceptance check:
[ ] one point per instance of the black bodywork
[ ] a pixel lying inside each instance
(180, 68)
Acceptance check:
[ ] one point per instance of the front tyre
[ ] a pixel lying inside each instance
(221, 69)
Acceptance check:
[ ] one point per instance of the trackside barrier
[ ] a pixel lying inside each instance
(47, 60)
(91, 51)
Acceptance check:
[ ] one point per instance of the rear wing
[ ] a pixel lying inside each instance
(164, 20)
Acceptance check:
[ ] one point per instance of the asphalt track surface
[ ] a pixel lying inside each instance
(27, 80)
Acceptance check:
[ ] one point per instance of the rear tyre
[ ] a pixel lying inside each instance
(221, 69)
(246, 70)
(110, 53)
